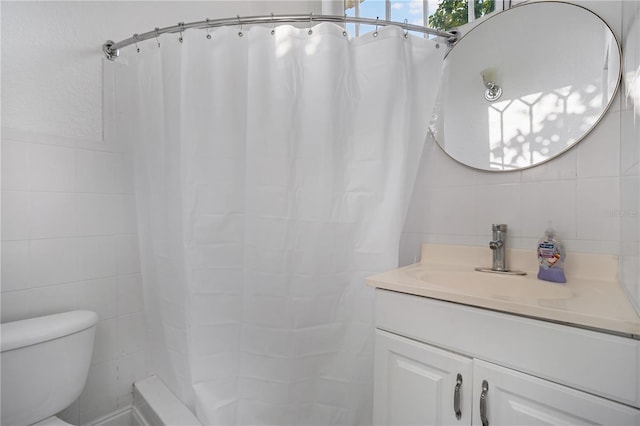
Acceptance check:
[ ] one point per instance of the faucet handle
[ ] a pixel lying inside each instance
(499, 227)
(495, 245)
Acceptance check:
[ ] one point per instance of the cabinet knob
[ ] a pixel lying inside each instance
(456, 397)
(483, 403)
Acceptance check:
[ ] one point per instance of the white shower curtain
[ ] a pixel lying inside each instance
(273, 174)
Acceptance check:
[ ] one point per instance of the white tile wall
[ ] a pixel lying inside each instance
(69, 242)
(131, 333)
(583, 210)
(53, 299)
(14, 166)
(53, 261)
(630, 151)
(498, 204)
(100, 296)
(97, 214)
(100, 171)
(15, 215)
(101, 392)
(129, 294)
(15, 304)
(562, 167)
(546, 201)
(15, 266)
(598, 159)
(598, 201)
(127, 254)
(52, 215)
(629, 213)
(106, 341)
(51, 168)
(96, 257)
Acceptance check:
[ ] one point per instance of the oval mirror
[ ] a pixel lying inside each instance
(525, 85)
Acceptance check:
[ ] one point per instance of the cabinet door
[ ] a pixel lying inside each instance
(514, 398)
(415, 384)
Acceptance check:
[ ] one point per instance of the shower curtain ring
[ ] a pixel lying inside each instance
(208, 34)
(406, 31)
(273, 25)
(375, 33)
(240, 33)
(310, 23)
(181, 24)
(344, 32)
(157, 34)
(135, 37)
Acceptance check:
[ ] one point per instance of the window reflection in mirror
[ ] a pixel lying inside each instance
(439, 14)
(454, 13)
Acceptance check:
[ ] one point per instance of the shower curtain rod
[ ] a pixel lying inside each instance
(111, 48)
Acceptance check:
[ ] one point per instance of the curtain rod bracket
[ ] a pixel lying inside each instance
(455, 35)
(111, 54)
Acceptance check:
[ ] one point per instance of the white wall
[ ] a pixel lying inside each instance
(51, 53)
(68, 212)
(581, 191)
(630, 153)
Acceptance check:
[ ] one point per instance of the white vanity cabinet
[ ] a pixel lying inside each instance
(534, 372)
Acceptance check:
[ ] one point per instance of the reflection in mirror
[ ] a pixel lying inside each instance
(523, 86)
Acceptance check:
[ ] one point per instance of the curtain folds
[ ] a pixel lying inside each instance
(273, 174)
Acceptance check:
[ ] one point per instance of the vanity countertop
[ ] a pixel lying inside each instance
(592, 296)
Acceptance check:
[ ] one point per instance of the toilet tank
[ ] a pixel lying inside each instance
(44, 364)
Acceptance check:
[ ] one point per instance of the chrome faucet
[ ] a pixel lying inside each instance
(499, 253)
(497, 246)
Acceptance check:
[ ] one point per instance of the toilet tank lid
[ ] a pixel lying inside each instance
(18, 334)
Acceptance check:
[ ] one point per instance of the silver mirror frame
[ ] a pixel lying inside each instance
(613, 97)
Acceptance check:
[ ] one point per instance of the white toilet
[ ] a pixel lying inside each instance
(45, 362)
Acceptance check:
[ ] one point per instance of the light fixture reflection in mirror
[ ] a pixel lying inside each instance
(493, 91)
(556, 83)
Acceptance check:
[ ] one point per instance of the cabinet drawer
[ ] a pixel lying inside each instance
(594, 362)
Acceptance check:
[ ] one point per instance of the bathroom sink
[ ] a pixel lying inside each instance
(592, 297)
(482, 284)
